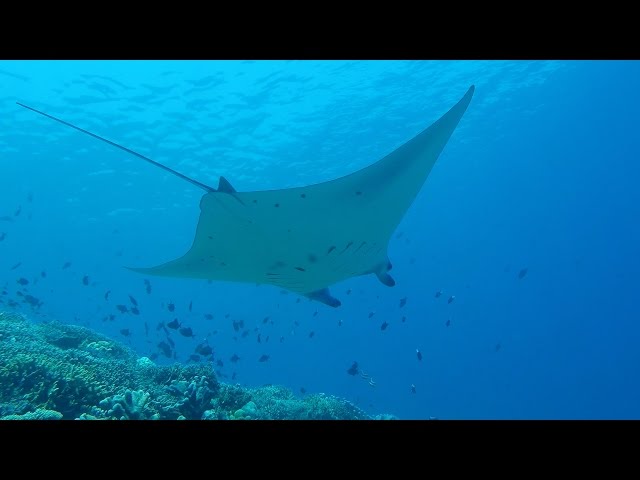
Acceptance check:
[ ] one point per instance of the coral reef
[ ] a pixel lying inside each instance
(56, 371)
(39, 414)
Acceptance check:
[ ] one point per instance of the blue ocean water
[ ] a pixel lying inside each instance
(539, 181)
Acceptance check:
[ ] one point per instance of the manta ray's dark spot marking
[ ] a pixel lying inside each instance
(312, 258)
(277, 205)
(331, 249)
(358, 193)
(303, 195)
(210, 237)
(301, 269)
(347, 247)
(255, 201)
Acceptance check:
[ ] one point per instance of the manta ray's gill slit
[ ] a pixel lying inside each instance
(278, 264)
(357, 260)
(361, 245)
(369, 250)
(331, 249)
(282, 281)
(342, 267)
(300, 269)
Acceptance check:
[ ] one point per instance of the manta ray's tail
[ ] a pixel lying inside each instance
(198, 184)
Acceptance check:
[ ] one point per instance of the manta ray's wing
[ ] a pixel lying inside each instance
(307, 238)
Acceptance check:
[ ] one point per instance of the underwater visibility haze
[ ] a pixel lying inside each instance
(364, 239)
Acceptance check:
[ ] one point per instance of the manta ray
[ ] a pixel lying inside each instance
(306, 239)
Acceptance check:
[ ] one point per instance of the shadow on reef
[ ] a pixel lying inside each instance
(56, 371)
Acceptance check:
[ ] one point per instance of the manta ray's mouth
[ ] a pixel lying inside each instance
(308, 238)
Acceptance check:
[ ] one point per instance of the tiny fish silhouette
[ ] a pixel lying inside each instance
(204, 349)
(186, 332)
